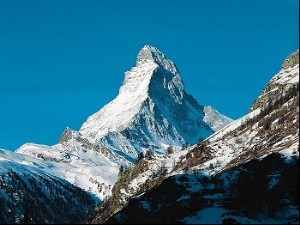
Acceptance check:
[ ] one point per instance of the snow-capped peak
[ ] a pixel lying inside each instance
(151, 109)
(140, 82)
(152, 54)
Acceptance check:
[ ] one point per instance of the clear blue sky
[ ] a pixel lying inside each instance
(60, 61)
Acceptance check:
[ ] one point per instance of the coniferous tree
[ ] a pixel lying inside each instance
(170, 150)
(26, 218)
(149, 154)
(141, 156)
(121, 170)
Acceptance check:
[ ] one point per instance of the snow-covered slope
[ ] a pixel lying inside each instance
(29, 194)
(90, 167)
(152, 111)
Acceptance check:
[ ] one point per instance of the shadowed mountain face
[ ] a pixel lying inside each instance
(246, 172)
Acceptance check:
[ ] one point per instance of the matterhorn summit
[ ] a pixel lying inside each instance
(149, 53)
(151, 111)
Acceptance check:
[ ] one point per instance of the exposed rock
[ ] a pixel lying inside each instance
(280, 84)
(66, 135)
(292, 60)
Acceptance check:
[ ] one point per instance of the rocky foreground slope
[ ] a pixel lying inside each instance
(245, 173)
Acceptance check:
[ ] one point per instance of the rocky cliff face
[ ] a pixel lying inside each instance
(216, 175)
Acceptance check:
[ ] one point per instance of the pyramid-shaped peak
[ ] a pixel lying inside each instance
(152, 54)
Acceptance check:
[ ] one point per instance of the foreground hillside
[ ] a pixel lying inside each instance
(260, 191)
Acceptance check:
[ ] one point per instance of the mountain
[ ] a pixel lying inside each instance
(151, 112)
(247, 172)
(28, 194)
